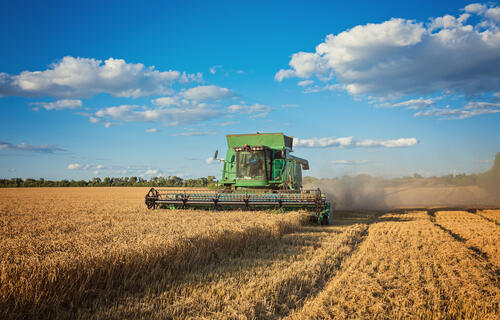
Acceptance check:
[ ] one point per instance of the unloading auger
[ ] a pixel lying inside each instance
(259, 174)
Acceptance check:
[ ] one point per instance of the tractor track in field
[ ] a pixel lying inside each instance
(487, 219)
(493, 270)
(337, 266)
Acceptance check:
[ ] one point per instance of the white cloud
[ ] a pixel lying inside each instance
(213, 69)
(351, 162)
(476, 8)
(210, 92)
(304, 65)
(85, 77)
(402, 57)
(396, 143)
(95, 172)
(166, 101)
(93, 119)
(415, 103)
(151, 172)
(78, 166)
(351, 142)
(256, 110)
(151, 130)
(44, 148)
(289, 105)
(59, 104)
(305, 83)
(323, 142)
(186, 114)
(471, 109)
(74, 166)
(327, 87)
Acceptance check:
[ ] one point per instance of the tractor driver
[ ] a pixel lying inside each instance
(255, 164)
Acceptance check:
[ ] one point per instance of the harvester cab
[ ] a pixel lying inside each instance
(259, 173)
(262, 161)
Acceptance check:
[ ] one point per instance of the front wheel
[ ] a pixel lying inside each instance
(324, 220)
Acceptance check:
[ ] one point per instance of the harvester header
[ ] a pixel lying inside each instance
(259, 173)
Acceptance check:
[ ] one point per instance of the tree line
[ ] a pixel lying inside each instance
(170, 181)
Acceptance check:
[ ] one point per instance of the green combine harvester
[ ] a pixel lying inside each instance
(259, 174)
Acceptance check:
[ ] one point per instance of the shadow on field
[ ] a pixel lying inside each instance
(266, 253)
(154, 272)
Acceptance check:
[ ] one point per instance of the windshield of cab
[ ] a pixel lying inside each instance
(250, 165)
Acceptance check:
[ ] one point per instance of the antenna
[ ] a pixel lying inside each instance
(215, 156)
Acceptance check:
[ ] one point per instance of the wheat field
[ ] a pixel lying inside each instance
(98, 253)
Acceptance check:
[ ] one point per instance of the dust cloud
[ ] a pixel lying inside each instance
(352, 193)
(364, 192)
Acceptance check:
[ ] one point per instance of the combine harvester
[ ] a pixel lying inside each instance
(259, 174)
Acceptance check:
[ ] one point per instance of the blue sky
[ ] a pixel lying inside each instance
(124, 88)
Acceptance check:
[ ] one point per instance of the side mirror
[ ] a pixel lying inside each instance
(283, 153)
(216, 154)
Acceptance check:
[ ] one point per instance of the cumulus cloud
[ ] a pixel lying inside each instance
(210, 92)
(415, 103)
(93, 119)
(85, 77)
(305, 83)
(351, 142)
(213, 69)
(407, 57)
(151, 172)
(350, 162)
(471, 109)
(256, 110)
(324, 142)
(396, 143)
(185, 114)
(151, 130)
(59, 104)
(44, 148)
(78, 166)
(74, 166)
(166, 101)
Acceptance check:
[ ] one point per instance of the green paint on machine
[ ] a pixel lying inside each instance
(259, 173)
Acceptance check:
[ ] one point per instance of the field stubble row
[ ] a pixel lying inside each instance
(98, 253)
(477, 233)
(408, 268)
(60, 247)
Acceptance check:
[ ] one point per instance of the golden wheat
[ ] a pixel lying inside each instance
(492, 215)
(408, 268)
(97, 253)
(260, 284)
(60, 246)
(479, 234)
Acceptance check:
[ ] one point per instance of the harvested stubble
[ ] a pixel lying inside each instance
(97, 253)
(408, 268)
(266, 283)
(60, 248)
(492, 215)
(477, 233)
